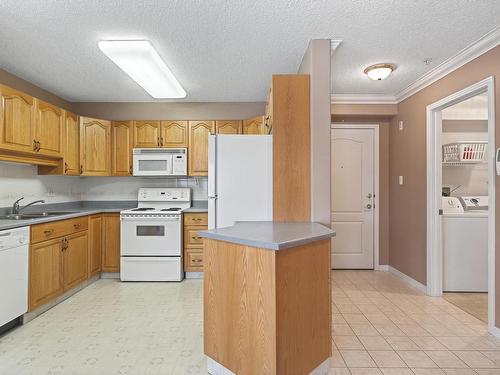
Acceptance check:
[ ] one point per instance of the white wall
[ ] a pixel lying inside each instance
(17, 180)
(473, 179)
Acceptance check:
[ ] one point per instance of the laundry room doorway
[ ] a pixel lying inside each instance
(461, 200)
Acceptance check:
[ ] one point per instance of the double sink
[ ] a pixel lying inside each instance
(35, 215)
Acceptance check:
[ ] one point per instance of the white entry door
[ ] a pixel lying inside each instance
(352, 191)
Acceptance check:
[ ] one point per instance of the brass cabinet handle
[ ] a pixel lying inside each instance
(161, 141)
(77, 225)
(65, 168)
(81, 169)
(196, 238)
(196, 260)
(197, 218)
(48, 232)
(131, 170)
(64, 244)
(36, 145)
(39, 145)
(158, 141)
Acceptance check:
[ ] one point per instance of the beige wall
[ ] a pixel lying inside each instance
(407, 157)
(142, 111)
(364, 110)
(20, 84)
(172, 110)
(316, 63)
(383, 174)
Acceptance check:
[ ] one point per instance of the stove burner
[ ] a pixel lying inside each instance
(143, 209)
(171, 209)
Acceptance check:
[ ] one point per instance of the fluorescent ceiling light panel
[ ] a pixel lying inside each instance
(142, 63)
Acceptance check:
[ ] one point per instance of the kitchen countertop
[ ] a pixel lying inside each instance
(78, 209)
(270, 235)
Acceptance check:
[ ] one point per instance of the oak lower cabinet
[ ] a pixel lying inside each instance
(111, 243)
(58, 259)
(95, 147)
(121, 148)
(193, 243)
(75, 260)
(198, 147)
(95, 244)
(45, 272)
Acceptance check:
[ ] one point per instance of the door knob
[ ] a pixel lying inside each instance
(369, 196)
(369, 206)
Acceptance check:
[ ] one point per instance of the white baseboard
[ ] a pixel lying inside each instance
(495, 331)
(408, 280)
(382, 267)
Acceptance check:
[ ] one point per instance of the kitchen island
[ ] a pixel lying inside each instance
(267, 300)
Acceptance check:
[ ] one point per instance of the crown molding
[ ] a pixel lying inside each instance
(363, 99)
(469, 53)
(474, 50)
(334, 44)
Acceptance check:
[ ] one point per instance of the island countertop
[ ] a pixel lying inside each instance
(270, 234)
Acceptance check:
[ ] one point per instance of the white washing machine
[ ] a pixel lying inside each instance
(465, 244)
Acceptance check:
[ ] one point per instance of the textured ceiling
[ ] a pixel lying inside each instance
(226, 50)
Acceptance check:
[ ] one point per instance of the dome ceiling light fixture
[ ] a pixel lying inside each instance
(378, 72)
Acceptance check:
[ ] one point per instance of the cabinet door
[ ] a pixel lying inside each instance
(45, 272)
(147, 134)
(254, 125)
(71, 145)
(95, 147)
(17, 120)
(121, 148)
(174, 133)
(49, 129)
(95, 244)
(75, 259)
(228, 127)
(198, 146)
(111, 243)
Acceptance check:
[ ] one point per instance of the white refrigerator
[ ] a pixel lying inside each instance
(240, 179)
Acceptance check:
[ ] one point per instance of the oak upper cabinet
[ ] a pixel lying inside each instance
(45, 272)
(95, 147)
(228, 127)
(49, 126)
(147, 134)
(17, 120)
(95, 244)
(174, 134)
(121, 148)
(254, 125)
(198, 146)
(75, 259)
(71, 144)
(111, 243)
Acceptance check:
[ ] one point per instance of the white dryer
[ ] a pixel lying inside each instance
(465, 244)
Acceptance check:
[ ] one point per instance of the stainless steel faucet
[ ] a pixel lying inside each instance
(16, 209)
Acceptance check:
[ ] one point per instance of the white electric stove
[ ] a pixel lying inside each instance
(151, 235)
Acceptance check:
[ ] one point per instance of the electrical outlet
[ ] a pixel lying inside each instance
(401, 126)
(400, 180)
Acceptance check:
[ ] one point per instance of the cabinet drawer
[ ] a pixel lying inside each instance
(42, 232)
(191, 236)
(193, 260)
(196, 218)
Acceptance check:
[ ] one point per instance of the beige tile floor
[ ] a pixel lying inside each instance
(475, 304)
(380, 326)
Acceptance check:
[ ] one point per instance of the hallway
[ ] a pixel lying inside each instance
(380, 325)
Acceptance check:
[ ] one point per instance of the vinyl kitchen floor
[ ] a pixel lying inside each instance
(380, 326)
(475, 304)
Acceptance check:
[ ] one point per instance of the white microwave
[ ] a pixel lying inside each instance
(160, 162)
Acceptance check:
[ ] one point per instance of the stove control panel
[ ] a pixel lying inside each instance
(164, 195)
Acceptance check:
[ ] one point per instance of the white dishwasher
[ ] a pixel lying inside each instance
(14, 245)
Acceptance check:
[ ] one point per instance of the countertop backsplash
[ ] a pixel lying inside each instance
(18, 180)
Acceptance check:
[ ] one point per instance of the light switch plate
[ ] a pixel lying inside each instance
(401, 125)
(400, 180)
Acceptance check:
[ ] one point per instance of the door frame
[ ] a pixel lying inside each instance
(434, 184)
(376, 176)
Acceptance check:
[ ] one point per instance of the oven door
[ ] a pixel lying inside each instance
(150, 236)
(152, 165)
